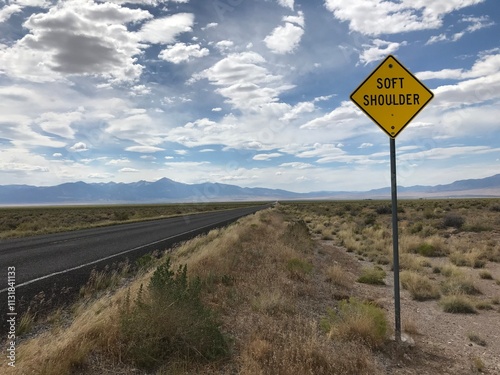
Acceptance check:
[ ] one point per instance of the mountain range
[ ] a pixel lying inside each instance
(166, 190)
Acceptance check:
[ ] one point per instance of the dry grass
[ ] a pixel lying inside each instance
(419, 286)
(357, 321)
(338, 276)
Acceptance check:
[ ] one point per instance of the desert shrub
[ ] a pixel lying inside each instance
(169, 321)
(355, 320)
(495, 208)
(457, 304)
(384, 210)
(459, 285)
(453, 220)
(374, 275)
(420, 287)
(145, 261)
(473, 258)
(338, 276)
(486, 275)
(428, 250)
(297, 236)
(298, 268)
(370, 219)
(121, 215)
(416, 227)
(484, 305)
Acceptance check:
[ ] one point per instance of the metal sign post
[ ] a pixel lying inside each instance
(395, 247)
(391, 96)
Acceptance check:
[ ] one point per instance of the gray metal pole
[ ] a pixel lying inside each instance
(394, 193)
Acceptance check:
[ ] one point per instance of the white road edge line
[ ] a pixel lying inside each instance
(106, 258)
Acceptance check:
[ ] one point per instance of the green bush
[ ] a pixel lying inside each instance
(374, 276)
(168, 321)
(453, 220)
(384, 210)
(428, 250)
(298, 268)
(457, 304)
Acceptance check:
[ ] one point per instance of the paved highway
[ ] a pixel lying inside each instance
(51, 259)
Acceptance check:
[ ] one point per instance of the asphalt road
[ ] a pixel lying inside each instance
(65, 259)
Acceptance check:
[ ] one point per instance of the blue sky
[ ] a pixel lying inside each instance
(245, 92)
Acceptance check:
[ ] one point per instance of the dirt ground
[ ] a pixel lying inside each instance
(438, 342)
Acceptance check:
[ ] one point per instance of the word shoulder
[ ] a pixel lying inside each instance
(391, 99)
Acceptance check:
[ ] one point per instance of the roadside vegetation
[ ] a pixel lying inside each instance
(264, 296)
(29, 221)
(445, 245)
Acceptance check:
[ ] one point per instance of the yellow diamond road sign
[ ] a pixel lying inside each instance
(391, 96)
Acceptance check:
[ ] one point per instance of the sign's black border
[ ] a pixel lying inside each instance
(371, 74)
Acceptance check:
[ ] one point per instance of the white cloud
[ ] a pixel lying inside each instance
(8, 11)
(267, 156)
(377, 17)
(296, 165)
(476, 23)
(378, 49)
(211, 25)
(224, 45)
(243, 80)
(286, 3)
(144, 149)
(487, 65)
(166, 29)
(285, 39)
(298, 19)
(346, 112)
(366, 145)
(118, 161)
(216, 109)
(180, 52)
(79, 147)
(181, 152)
(59, 123)
(57, 155)
(128, 170)
(297, 110)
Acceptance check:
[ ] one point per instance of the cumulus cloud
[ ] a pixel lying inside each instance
(79, 147)
(180, 52)
(285, 39)
(164, 30)
(8, 11)
(77, 37)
